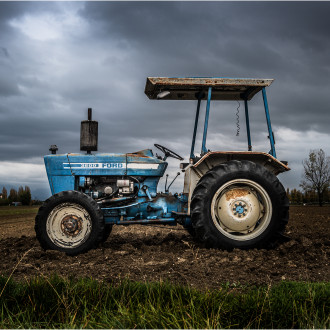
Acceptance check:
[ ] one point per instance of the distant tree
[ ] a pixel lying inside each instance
(20, 190)
(4, 193)
(20, 193)
(299, 197)
(316, 176)
(326, 196)
(12, 195)
(24, 195)
(27, 192)
(293, 196)
(310, 196)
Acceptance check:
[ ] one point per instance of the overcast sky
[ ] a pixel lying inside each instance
(59, 58)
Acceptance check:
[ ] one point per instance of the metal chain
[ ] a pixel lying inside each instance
(237, 119)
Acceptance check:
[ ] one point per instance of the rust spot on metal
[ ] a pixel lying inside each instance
(235, 193)
(71, 225)
(138, 155)
(250, 155)
(222, 88)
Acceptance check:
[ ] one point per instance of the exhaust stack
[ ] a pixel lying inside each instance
(89, 134)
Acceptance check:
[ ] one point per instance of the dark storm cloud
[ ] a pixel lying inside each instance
(59, 58)
(8, 84)
(286, 41)
(4, 52)
(16, 9)
(208, 27)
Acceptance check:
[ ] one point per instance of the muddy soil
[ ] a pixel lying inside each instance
(169, 253)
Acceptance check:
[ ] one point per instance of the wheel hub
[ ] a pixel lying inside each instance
(238, 209)
(68, 225)
(71, 225)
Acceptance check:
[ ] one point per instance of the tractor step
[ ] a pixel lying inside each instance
(160, 221)
(180, 214)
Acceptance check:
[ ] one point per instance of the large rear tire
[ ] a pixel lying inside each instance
(239, 204)
(69, 221)
(191, 230)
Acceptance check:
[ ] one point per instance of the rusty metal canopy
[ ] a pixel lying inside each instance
(188, 88)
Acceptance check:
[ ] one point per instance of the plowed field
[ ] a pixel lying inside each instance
(170, 253)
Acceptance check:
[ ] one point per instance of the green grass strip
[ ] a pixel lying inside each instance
(86, 303)
(18, 210)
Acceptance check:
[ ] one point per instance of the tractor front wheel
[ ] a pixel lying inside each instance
(70, 221)
(106, 233)
(239, 204)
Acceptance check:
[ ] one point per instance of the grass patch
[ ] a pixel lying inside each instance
(86, 303)
(18, 210)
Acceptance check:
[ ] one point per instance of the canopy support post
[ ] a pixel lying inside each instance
(270, 132)
(207, 113)
(199, 95)
(247, 125)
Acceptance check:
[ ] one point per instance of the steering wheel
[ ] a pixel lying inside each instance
(168, 152)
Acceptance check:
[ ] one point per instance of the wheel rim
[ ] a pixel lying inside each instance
(68, 225)
(241, 209)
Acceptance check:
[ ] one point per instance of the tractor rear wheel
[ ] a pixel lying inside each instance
(239, 204)
(69, 221)
(191, 230)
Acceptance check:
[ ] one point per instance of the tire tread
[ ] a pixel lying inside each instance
(201, 195)
(74, 197)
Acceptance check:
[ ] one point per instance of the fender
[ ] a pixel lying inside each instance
(194, 172)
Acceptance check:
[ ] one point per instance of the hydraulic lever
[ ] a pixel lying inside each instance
(166, 189)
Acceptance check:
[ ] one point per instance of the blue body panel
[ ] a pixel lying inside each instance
(162, 208)
(64, 171)
(69, 172)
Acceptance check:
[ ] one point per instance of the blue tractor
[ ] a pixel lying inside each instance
(230, 199)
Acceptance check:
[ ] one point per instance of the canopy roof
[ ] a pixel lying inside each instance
(222, 88)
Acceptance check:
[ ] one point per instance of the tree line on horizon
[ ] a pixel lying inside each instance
(297, 196)
(22, 195)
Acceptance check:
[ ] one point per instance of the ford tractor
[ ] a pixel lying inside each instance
(230, 199)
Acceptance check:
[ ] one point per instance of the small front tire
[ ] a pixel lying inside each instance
(71, 222)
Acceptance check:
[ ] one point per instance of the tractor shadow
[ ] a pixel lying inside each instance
(148, 239)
